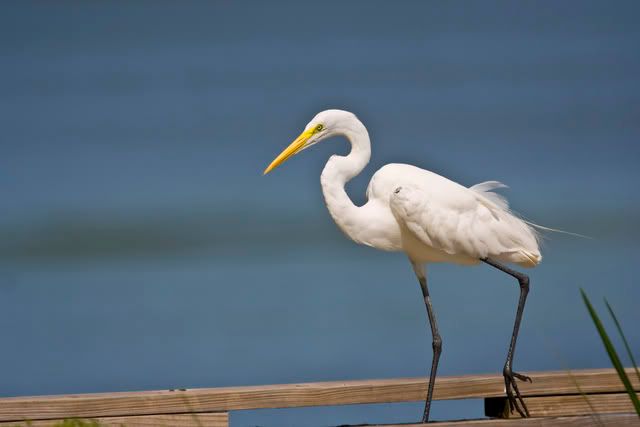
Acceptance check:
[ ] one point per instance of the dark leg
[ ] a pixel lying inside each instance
(437, 345)
(510, 376)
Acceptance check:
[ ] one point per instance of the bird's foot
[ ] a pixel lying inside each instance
(513, 394)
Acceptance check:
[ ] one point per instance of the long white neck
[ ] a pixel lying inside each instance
(341, 169)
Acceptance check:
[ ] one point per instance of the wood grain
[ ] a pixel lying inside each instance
(297, 395)
(549, 406)
(609, 420)
(218, 419)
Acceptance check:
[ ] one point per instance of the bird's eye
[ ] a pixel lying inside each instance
(319, 128)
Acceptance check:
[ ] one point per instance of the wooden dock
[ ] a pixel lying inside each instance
(585, 397)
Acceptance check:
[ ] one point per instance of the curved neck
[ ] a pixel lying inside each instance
(341, 169)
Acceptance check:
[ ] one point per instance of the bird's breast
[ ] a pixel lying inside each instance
(376, 227)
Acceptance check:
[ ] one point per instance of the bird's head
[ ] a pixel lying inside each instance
(325, 124)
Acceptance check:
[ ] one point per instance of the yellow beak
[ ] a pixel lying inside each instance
(292, 149)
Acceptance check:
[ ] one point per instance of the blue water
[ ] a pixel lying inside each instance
(141, 248)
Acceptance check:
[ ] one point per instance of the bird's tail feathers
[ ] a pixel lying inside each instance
(486, 189)
(555, 230)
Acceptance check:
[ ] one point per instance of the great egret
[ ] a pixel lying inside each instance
(426, 216)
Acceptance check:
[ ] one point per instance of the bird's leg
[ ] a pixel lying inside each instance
(515, 402)
(436, 343)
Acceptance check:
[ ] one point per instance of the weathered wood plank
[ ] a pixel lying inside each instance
(218, 419)
(552, 406)
(297, 395)
(608, 420)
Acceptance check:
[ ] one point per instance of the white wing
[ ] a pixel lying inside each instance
(472, 222)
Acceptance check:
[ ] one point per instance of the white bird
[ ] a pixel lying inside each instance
(426, 216)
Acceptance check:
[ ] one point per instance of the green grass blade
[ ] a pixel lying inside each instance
(611, 351)
(624, 339)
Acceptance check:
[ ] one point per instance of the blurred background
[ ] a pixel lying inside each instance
(141, 247)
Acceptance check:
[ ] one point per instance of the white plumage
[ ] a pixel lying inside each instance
(467, 224)
(427, 216)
